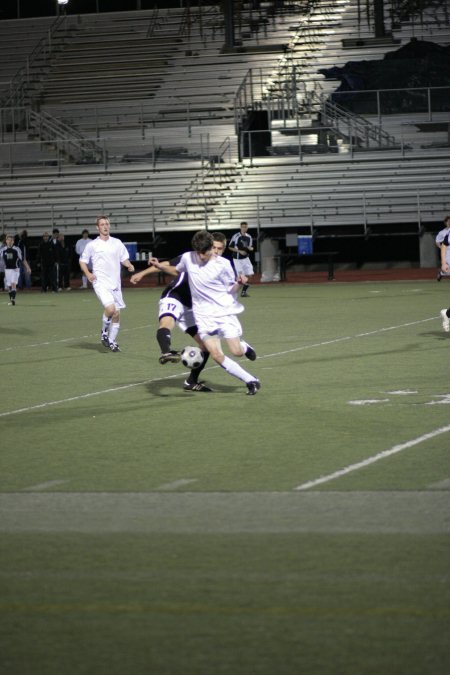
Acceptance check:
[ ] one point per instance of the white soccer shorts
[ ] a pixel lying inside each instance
(108, 296)
(223, 327)
(12, 277)
(243, 266)
(184, 316)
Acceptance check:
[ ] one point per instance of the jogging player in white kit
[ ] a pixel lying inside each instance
(214, 288)
(105, 255)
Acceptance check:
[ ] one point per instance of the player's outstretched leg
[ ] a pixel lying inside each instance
(252, 382)
(192, 383)
(248, 350)
(168, 355)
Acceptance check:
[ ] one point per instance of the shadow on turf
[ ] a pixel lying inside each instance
(437, 333)
(12, 331)
(90, 346)
(160, 387)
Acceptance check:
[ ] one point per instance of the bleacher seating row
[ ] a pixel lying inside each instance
(159, 94)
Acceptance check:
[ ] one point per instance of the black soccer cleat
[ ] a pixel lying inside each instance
(250, 353)
(244, 294)
(198, 386)
(253, 387)
(439, 276)
(170, 357)
(114, 347)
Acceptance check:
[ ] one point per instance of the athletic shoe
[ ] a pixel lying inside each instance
(244, 294)
(114, 347)
(445, 320)
(199, 386)
(172, 357)
(439, 276)
(105, 340)
(250, 353)
(253, 387)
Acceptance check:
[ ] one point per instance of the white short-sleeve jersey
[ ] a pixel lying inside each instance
(105, 257)
(81, 245)
(210, 283)
(442, 235)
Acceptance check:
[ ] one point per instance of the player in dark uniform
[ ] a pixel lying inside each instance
(12, 259)
(241, 245)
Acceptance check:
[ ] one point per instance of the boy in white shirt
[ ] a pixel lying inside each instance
(79, 248)
(105, 255)
(214, 288)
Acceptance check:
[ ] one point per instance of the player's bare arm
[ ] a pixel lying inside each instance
(151, 269)
(240, 281)
(90, 276)
(444, 265)
(128, 265)
(164, 266)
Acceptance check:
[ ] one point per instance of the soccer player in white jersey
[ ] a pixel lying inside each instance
(214, 288)
(105, 255)
(441, 235)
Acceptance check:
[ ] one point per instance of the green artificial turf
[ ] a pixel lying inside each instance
(106, 568)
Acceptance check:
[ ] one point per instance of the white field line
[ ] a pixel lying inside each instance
(174, 485)
(44, 486)
(90, 394)
(131, 385)
(50, 343)
(371, 460)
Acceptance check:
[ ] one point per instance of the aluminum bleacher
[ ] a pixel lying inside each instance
(157, 91)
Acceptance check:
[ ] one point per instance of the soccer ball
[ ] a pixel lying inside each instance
(191, 357)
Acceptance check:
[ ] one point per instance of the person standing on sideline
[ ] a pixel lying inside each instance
(241, 245)
(79, 248)
(441, 235)
(46, 262)
(12, 258)
(54, 243)
(2, 262)
(65, 261)
(105, 255)
(214, 288)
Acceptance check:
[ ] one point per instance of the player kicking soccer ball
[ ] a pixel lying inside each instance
(175, 308)
(214, 288)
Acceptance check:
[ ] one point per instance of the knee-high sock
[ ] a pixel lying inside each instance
(236, 370)
(113, 331)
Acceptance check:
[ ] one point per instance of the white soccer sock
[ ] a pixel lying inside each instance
(106, 323)
(235, 369)
(113, 331)
(244, 346)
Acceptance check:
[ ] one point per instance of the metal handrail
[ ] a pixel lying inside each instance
(42, 50)
(333, 114)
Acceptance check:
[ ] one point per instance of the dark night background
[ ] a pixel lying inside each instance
(12, 9)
